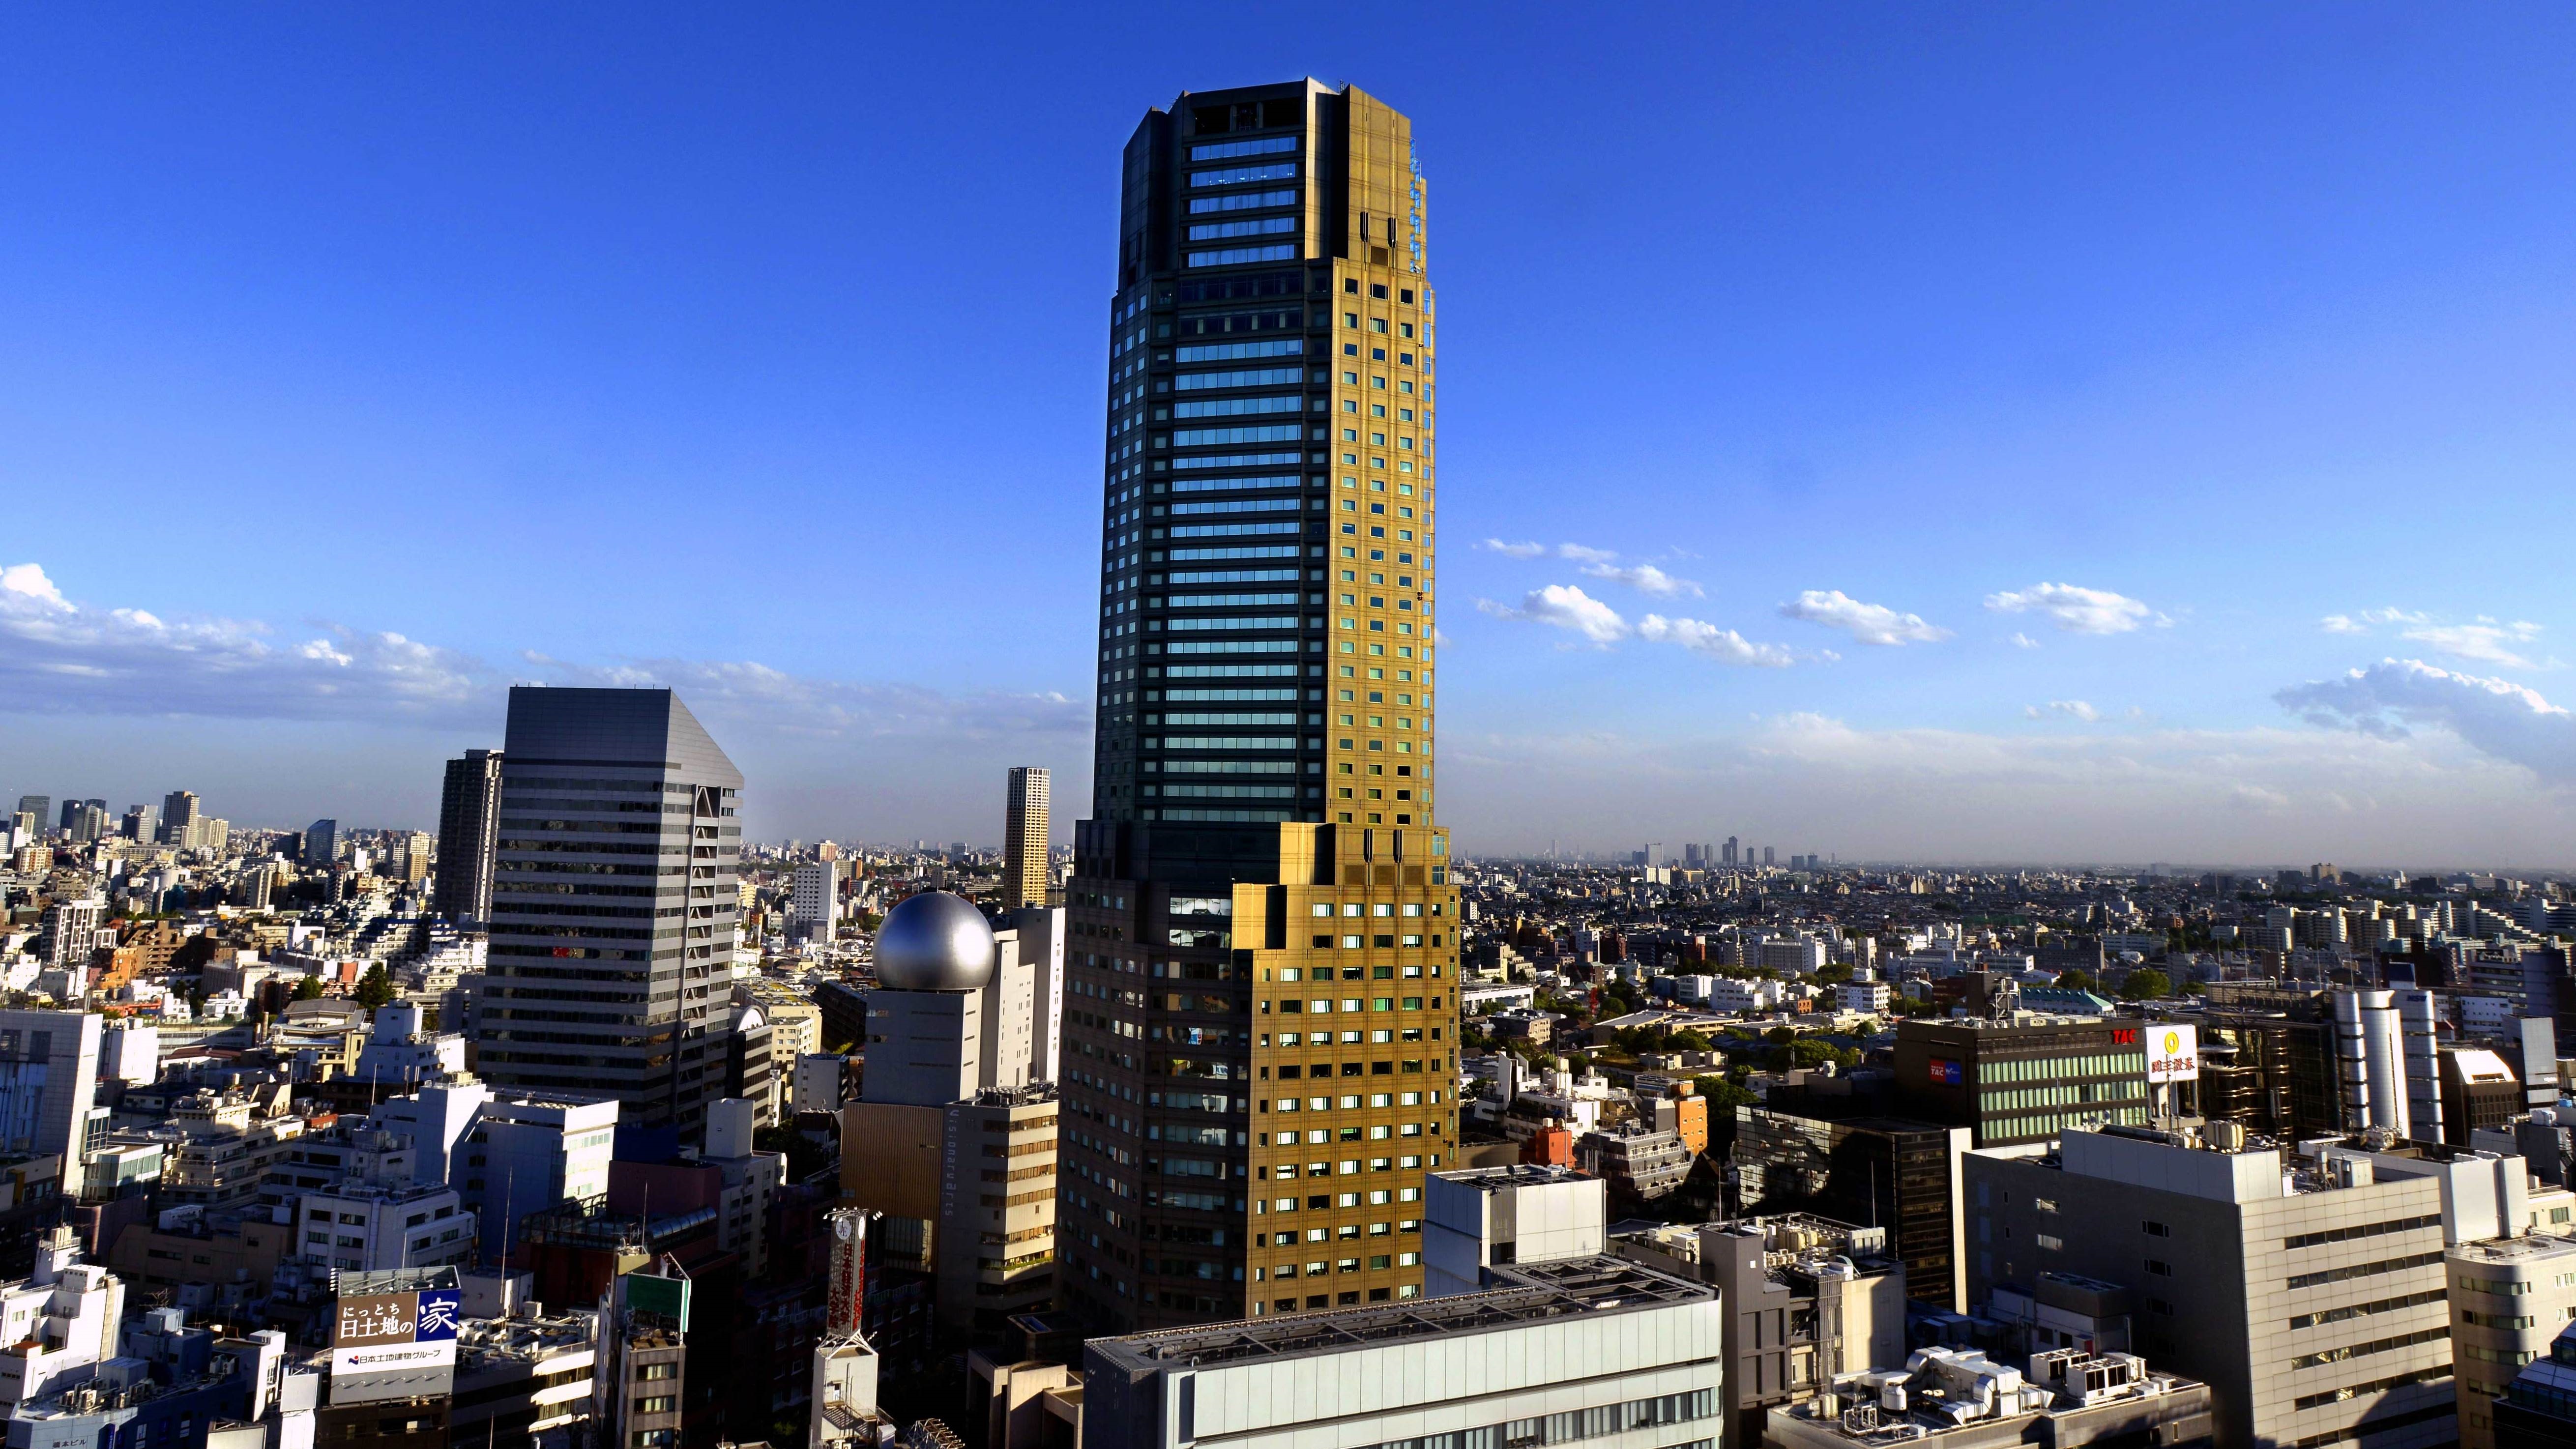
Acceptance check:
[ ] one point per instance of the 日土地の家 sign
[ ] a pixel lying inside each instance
(395, 1332)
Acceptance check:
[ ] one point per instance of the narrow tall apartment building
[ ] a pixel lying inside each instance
(1024, 839)
(614, 904)
(469, 811)
(1261, 1018)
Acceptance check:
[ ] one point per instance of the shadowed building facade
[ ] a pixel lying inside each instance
(613, 905)
(1260, 1020)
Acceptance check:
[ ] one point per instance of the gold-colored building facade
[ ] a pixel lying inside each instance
(1261, 1018)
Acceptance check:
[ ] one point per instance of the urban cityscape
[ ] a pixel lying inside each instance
(618, 1100)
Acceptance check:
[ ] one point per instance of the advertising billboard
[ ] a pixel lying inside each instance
(394, 1345)
(2173, 1053)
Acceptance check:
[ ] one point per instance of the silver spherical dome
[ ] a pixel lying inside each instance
(934, 942)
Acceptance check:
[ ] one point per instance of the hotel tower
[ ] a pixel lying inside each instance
(1261, 1021)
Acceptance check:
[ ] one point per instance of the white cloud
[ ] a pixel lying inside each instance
(1645, 578)
(1514, 550)
(60, 657)
(1711, 642)
(2484, 639)
(1867, 623)
(24, 586)
(2076, 610)
(2392, 698)
(1581, 554)
(2071, 708)
(2023, 641)
(1564, 606)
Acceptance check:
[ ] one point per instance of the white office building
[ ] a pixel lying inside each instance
(817, 899)
(48, 1081)
(1594, 1350)
(1482, 1217)
(529, 1152)
(60, 1321)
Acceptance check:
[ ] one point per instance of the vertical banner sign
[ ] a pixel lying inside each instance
(849, 1271)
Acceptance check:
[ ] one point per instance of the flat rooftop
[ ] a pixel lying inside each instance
(2514, 1250)
(1513, 1175)
(1570, 1288)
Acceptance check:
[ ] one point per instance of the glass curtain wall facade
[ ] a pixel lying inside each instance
(1262, 819)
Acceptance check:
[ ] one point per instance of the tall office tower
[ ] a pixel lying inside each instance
(1729, 851)
(84, 820)
(48, 1075)
(322, 842)
(38, 806)
(1767, 858)
(597, 980)
(142, 823)
(469, 807)
(413, 866)
(1262, 800)
(178, 817)
(1024, 839)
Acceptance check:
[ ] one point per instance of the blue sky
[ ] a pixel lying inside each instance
(2167, 366)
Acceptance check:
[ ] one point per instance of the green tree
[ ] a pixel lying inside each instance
(2075, 978)
(309, 989)
(2146, 983)
(376, 988)
(1723, 1095)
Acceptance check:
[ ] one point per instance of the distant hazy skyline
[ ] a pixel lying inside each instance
(1963, 433)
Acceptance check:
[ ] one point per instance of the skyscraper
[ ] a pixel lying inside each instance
(612, 934)
(178, 817)
(322, 842)
(469, 807)
(1262, 817)
(1024, 839)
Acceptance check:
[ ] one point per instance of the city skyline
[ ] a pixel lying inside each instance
(1934, 492)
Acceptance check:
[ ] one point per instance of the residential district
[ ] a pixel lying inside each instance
(1261, 1118)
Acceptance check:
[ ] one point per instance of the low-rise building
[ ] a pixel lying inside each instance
(524, 1380)
(1807, 1299)
(1947, 1398)
(2307, 1292)
(1610, 1353)
(2509, 1299)
(1642, 1163)
(1478, 1218)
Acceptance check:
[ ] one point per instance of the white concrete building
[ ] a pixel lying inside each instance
(1592, 1349)
(527, 1153)
(2510, 1297)
(60, 1322)
(818, 1081)
(752, 1179)
(48, 1081)
(376, 1229)
(1480, 1217)
(1871, 997)
(817, 899)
